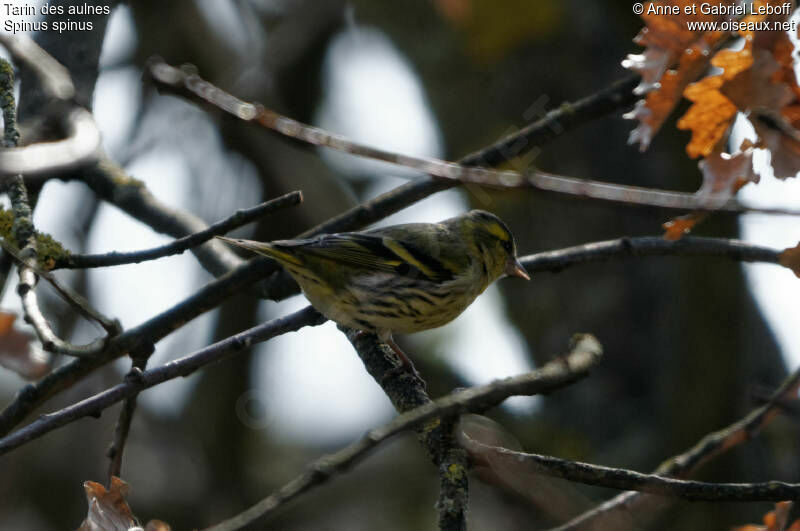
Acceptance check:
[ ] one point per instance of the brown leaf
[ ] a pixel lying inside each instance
(676, 228)
(783, 142)
(775, 520)
(712, 113)
(673, 58)
(791, 258)
(724, 175)
(108, 510)
(19, 353)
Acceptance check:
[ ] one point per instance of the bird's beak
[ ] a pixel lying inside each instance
(515, 269)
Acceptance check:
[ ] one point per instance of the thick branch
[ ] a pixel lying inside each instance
(184, 366)
(584, 355)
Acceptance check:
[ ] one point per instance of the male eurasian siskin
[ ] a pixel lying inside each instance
(403, 278)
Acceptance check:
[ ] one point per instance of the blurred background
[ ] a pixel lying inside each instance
(686, 340)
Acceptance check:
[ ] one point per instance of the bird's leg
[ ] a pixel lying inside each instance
(407, 364)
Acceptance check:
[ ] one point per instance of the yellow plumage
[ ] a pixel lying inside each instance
(404, 278)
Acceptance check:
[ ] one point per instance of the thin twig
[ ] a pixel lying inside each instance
(111, 183)
(184, 366)
(560, 259)
(584, 355)
(136, 341)
(33, 315)
(708, 448)
(24, 234)
(186, 82)
(116, 451)
(556, 123)
(239, 218)
(76, 300)
(619, 478)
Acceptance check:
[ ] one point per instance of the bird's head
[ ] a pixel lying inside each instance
(491, 241)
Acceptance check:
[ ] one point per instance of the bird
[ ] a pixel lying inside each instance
(401, 278)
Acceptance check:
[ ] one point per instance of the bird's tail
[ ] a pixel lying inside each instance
(263, 248)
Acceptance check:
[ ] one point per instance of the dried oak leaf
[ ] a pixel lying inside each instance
(775, 520)
(109, 510)
(757, 80)
(723, 176)
(790, 258)
(712, 112)
(18, 351)
(677, 227)
(674, 56)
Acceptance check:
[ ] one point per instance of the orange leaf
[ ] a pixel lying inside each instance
(775, 520)
(669, 44)
(108, 509)
(676, 228)
(791, 258)
(709, 117)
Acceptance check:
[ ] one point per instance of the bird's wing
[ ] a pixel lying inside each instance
(373, 251)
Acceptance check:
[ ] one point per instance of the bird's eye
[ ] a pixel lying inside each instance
(507, 246)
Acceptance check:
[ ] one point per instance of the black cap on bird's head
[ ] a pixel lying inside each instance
(491, 230)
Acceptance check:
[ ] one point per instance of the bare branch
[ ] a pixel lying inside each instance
(585, 353)
(78, 150)
(110, 182)
(33, 315)
(55, 78)
(239, 218)
(24, 233)
(188, 83)
(136, 341)
(709, 447)
(184, 366)
(648, 246)
(116, 451)
(77, 301)
(618, 478)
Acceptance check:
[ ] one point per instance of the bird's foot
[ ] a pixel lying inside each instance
(406, 365)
